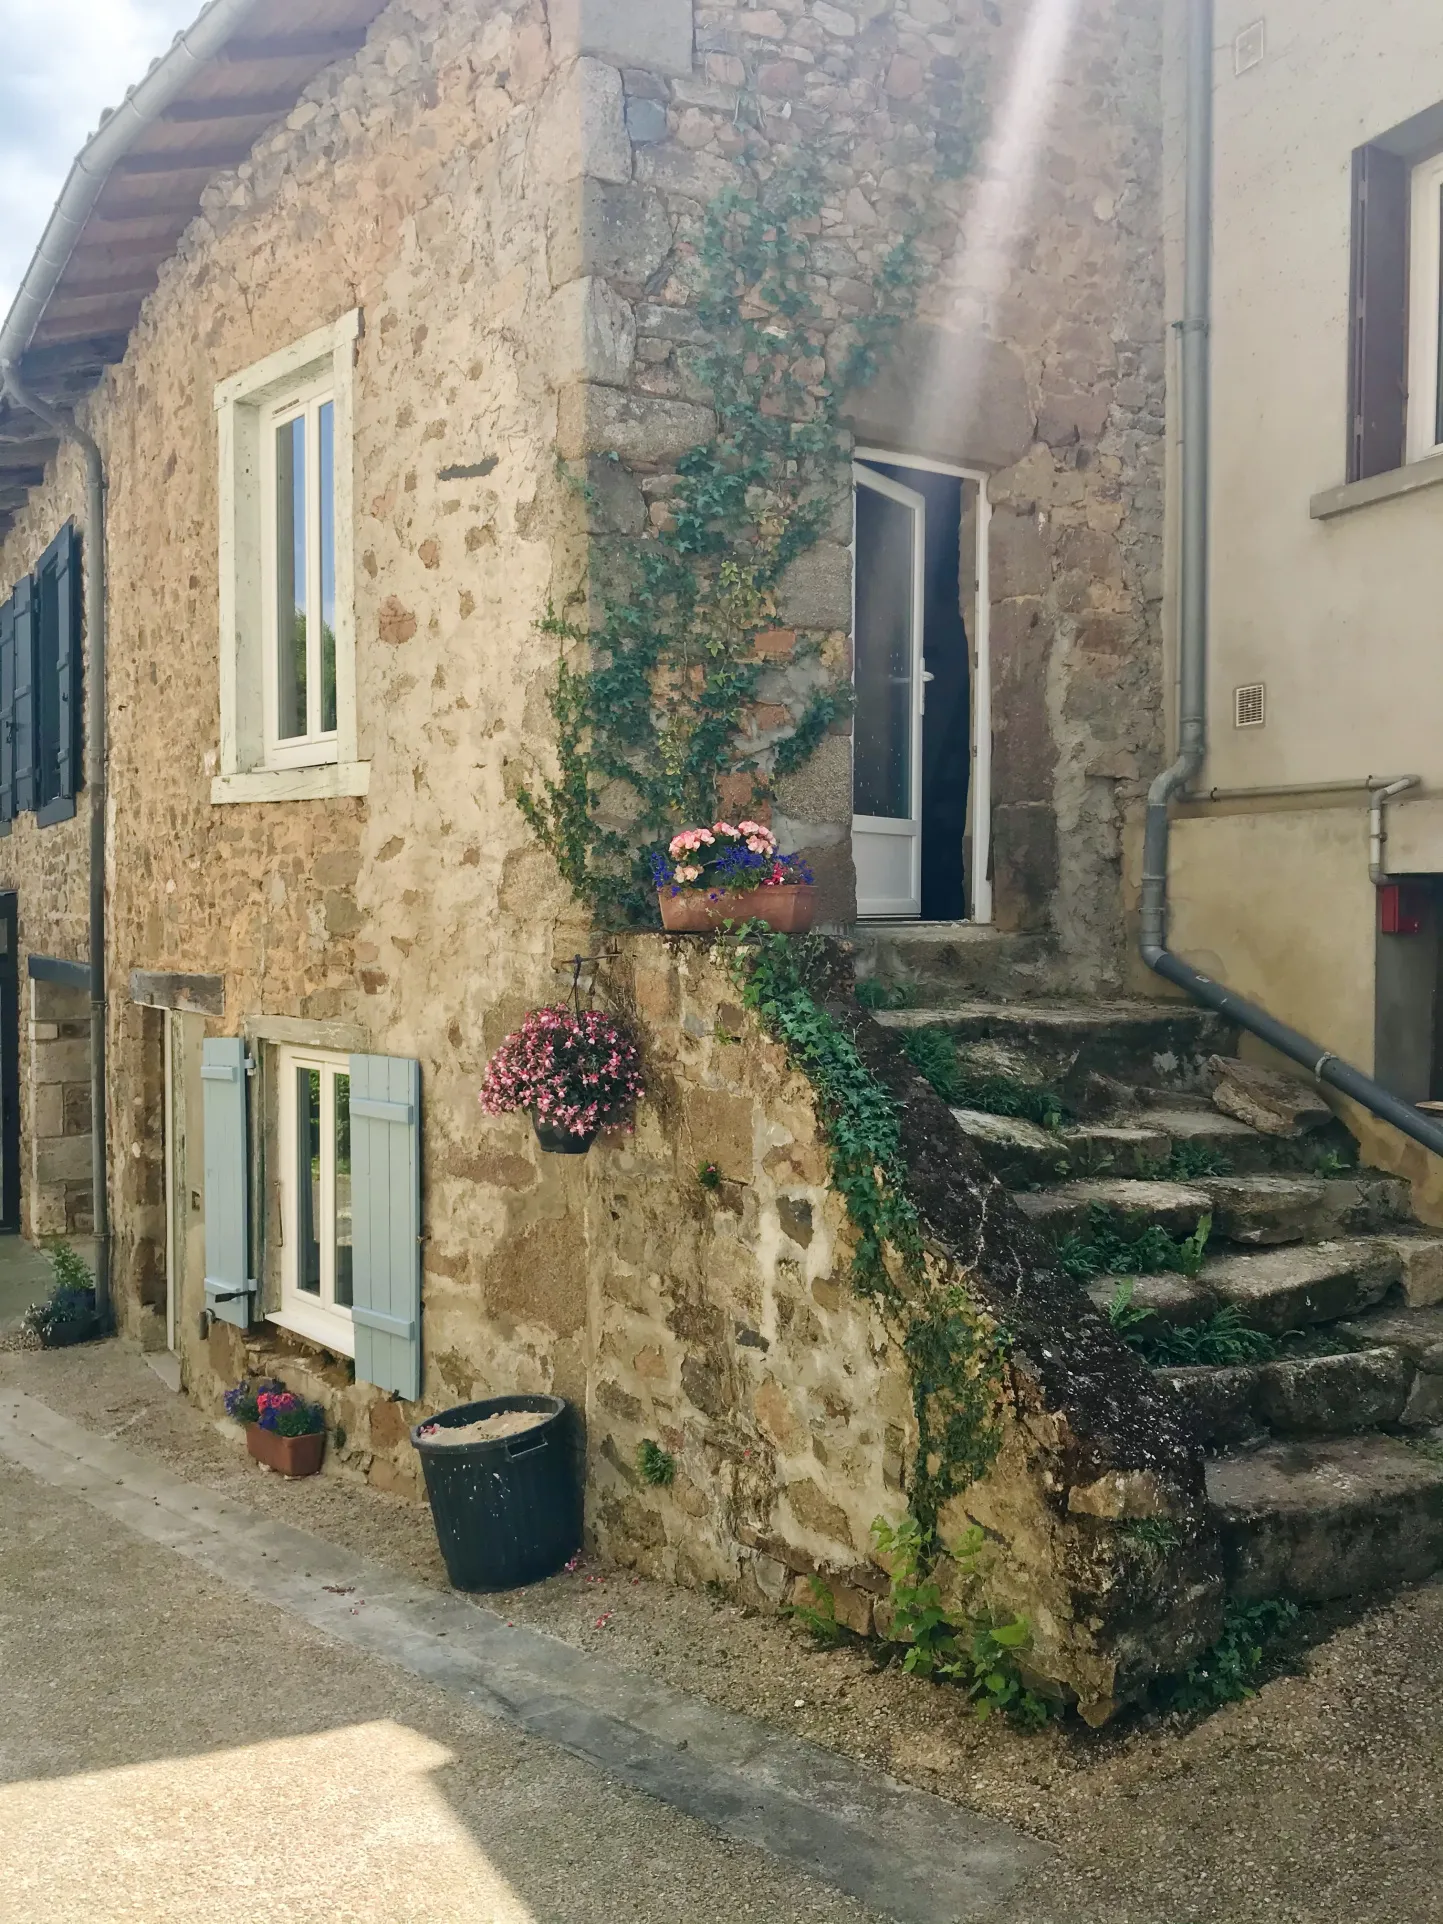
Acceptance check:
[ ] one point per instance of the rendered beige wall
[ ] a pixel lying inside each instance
(1339, 618)
(1279, 907)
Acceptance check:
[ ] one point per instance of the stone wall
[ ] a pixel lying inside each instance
(1037, 357)
(61, 1189)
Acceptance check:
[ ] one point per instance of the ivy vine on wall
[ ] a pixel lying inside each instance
(652, 694)
(954, 1355)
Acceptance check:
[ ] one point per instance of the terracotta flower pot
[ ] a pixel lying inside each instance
(557, 1141)
(288, 1455)
(788, 909)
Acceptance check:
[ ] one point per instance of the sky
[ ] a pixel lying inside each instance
(62, 62)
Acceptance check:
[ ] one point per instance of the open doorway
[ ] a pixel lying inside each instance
(920, 775)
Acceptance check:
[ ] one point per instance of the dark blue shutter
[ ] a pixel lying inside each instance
(7, 711)
(67, 660)
(386, 1221)
(228, 1282)
(22, 731)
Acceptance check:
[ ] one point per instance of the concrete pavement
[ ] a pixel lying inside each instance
(184, 1731)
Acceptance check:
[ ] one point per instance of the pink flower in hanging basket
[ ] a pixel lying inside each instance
(578, 1072)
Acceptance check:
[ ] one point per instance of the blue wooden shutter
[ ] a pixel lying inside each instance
(7, 711)
(386, 1221)
(228, 1283)
(22, 730)
(67, 660)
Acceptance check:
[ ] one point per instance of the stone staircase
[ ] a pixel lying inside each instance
(1325, 1448)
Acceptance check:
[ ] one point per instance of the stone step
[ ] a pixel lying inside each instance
(1202, 1129)
(1255, 1211)
(1178, 1207)
(1162, 1044)
(952, 959)
(1332, 1518)
(1295, 1396)
(1417, 1335)
(1294, 1287)
(1022, 1153)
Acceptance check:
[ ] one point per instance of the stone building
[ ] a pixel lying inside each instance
(357, 294)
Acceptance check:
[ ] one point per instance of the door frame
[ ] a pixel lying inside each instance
(910, 826)
(979, 789)
(9, 1061)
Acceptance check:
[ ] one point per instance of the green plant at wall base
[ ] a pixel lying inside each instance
(934, 1054)
(982, 1654)
(1227, 1673)
(954, 1356)
(653, 691)
(1130, 1246)
(1151, 1536)
(656, 1465)
(819, 1617)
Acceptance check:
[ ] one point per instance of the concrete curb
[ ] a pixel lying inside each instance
(906, 1854)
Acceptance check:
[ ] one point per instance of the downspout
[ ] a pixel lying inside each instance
(95, 782)
(1193, 635)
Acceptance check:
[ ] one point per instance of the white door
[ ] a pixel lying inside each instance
(889, 550)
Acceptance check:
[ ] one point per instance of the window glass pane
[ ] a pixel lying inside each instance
(325, 461)
(1438, 361)
(308, 1180)
(343, 1191)
(882, 749)
(291, 579)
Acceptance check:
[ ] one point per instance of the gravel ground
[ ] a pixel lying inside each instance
(1316, 1801)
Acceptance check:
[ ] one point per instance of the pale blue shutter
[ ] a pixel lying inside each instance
(386, 1221)
(228, 1283)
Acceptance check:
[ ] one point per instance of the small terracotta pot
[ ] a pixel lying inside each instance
(561, 1142)
(288, 1455)
(788, 909)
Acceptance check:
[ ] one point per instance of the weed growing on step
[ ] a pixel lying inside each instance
(872, 994)
(1222, 1341)
(961, 1086)
(1186, 1163)
(1128, 1245)
(709, 1175)
(953, 1353)
(1227, 1673)
(657, 1466)
(1153, 1537)
(982, 1654)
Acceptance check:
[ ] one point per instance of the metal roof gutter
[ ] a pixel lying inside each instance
(111, 141)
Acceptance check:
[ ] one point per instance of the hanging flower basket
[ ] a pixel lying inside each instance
(731, 872)
(576, 1070)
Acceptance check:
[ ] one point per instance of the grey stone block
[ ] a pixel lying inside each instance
(652, 34)
(645, 121)
(950, 396)
(624, 233)
(816, 591)
(643, 429)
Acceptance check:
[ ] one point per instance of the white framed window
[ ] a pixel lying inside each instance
(1425, 309)
(313, 1117)
(287, 616)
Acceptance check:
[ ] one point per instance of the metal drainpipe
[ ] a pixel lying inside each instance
(1192, 638)
(95, 781)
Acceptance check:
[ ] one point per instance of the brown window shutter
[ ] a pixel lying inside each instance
(1378, 314)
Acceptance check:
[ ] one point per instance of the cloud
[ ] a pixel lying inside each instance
(64, 62)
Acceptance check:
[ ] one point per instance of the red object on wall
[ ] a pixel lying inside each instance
(1401, 907)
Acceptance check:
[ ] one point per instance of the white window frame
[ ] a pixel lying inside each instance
(254, 767)
(303, 402)
(1425, 306)
(318, 1319)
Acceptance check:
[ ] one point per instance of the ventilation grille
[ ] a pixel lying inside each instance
(1250, 707)
(1249, 47)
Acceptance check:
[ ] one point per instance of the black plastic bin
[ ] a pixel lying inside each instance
(507, 1512)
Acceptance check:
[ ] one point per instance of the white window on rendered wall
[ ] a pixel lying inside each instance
(287, 615)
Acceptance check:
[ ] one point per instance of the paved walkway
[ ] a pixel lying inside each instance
(250, 1741)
